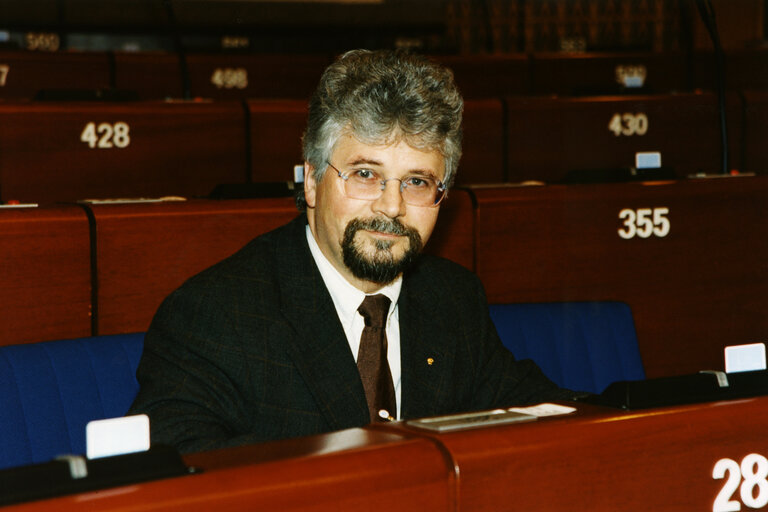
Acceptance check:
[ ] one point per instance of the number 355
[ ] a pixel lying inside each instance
(644, 222)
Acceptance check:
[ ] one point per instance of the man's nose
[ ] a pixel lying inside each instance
(391, 201)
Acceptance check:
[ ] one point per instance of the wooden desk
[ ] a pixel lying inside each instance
(151, 75)
(454, 233)
(700, 287)
(547, 137)
(55, 152)
(596, 459)
(483, 158)
(145, 251)
(355, 469)
(276, 127)
(599, 460)
(46, 274)
(607, 73)
(24, 73)
(239, 76)
(745, 68)
(489, 76)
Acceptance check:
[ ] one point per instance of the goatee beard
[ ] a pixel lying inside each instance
(381, 267)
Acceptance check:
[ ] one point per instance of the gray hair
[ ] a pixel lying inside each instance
(381, 97)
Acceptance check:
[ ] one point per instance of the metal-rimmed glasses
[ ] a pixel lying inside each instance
(416, 189)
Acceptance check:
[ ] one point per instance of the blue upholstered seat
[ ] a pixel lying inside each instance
(49, 391)
(583, 346)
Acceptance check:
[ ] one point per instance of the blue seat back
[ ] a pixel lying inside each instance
(583, 346)
(49, 391)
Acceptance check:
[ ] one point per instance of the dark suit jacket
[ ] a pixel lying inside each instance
(252, 350)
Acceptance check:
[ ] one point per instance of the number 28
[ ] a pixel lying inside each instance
(749, 478)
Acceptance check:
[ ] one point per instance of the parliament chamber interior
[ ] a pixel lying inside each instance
(612, 197)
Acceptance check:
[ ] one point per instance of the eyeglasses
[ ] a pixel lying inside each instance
(415, 190)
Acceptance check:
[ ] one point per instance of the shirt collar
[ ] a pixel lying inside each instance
(345, 296)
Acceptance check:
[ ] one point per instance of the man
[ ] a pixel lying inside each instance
(273, 342)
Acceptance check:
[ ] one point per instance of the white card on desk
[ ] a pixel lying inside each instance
(545, 409)
(745, 358)
(117, 436)
(464, 421)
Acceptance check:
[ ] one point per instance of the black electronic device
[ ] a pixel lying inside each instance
(73, 474)
(706, 386)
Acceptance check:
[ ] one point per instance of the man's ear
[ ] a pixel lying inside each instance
(310, 185)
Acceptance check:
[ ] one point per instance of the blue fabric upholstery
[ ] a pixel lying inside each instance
(583, 346)
(49, 391)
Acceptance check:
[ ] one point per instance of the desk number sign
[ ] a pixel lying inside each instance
(747, 480)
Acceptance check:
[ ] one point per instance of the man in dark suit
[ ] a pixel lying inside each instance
(281, 339)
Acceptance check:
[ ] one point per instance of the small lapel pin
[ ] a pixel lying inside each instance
(430, 361)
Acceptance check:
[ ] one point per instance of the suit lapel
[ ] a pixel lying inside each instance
(320, 350)
(425, 351)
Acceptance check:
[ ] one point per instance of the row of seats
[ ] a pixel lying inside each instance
(688, 257)
(61, 151)
(49, 391)
(237, 76)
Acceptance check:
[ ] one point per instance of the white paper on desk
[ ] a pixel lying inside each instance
(545, 409)
(745, 358)
(117, 436)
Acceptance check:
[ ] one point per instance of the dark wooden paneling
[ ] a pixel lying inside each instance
(183, 148)
(744, 69)
(151, 76)
(22, 74)
(692, 292)
(232, 76)
(600, 73)
(276, 130)
(756, 129)
(489, 76)
(145, 251)
(46, 274)
(454, 234)
(549, 137)
(484, 143)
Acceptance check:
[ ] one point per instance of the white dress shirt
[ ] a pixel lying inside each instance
(347, 299)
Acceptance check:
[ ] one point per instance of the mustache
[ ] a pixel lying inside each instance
(389, 226)
(379, 264)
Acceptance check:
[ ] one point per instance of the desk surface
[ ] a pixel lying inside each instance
(593, 459)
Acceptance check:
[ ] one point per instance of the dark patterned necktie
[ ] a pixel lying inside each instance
(372, 359)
